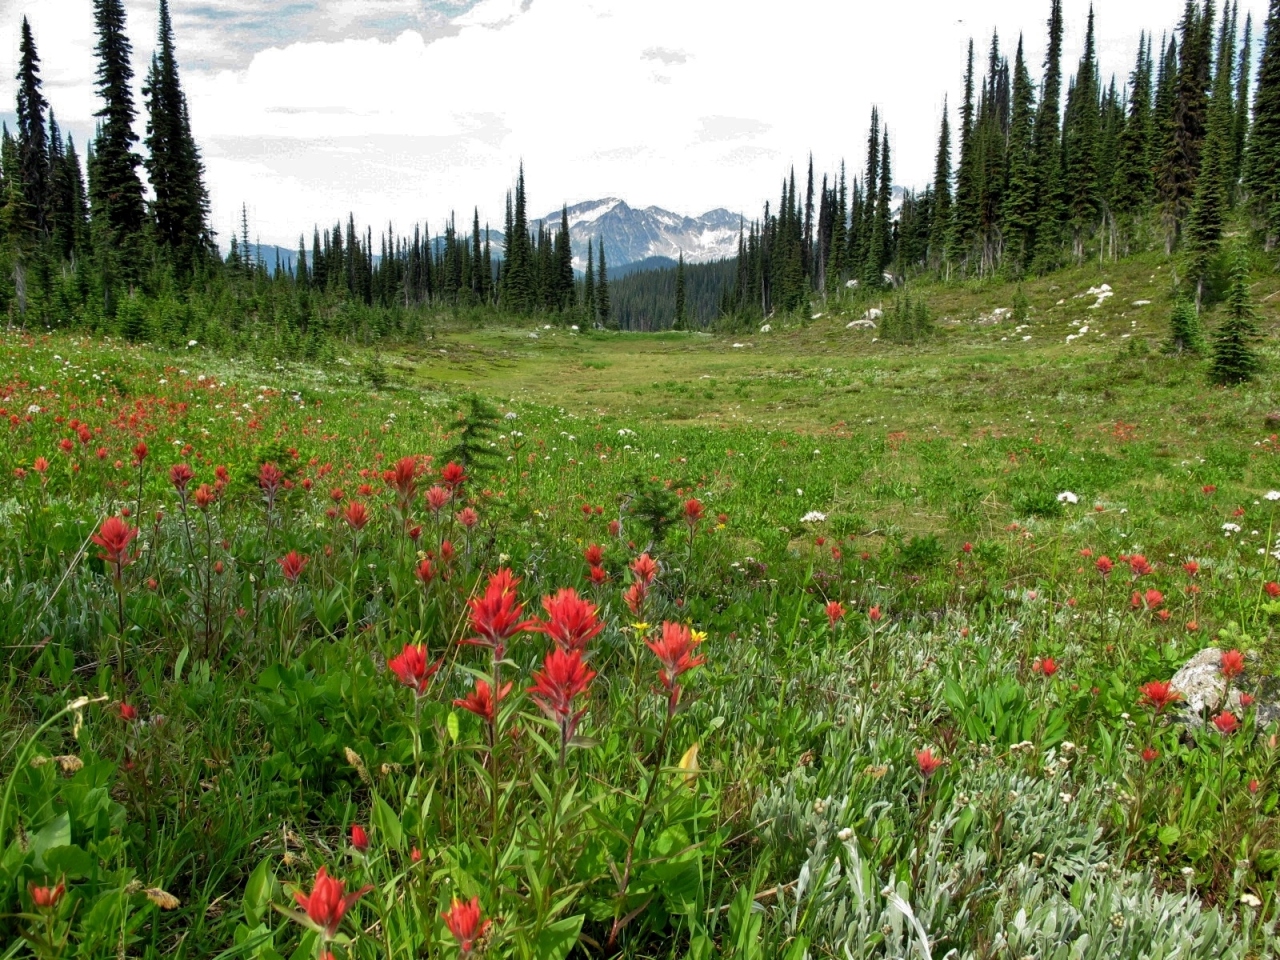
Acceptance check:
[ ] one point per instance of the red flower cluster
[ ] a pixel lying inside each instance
(927, 762)
(835, 613)
(1232, 664)
(498, 615)
(465, 923)
(413, 669)
(481, 702)
(676, 650)
(561, 680)
(292, 564)
(46, 898)
(571, 621)
(1151, 600)
(180, 474)
(114, 537)
(356, 515)
(1104, 566)
(1048, 666)
(1159, 694)
(326, 905)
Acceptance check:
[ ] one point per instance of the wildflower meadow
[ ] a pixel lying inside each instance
(300, 669)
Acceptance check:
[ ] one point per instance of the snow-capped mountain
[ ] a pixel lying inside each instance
(632, 235)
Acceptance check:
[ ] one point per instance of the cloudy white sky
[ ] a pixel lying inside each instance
(401, 110)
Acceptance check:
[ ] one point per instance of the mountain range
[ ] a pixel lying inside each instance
(647, 239)
(632, 235)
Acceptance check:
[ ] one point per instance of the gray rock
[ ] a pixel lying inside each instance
(1201, 683)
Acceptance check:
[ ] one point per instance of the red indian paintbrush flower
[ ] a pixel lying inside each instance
(874, 614)
(205, 496)
(1232, 664)
(498, 615)
(835, 612)
(1226, 722)
(593, 555)
(465, 923)
(692, 511)
(326, 905)
(41, 465)
(356, 515)
(413, 669)
(437, 499)
(480, 701)
(1191, 567)
(927, 763)
(139, 453)
(453, 475)
(46, 898)
(635, 596)
(598, 576)
(1273, 589)
(403, 478)
(1048, 666)
(425, 572)
(359, 838)
(270, 478)
(1104, 566)
(1149, 754)
(1159, 694)
(571, 621)
(468, 517)
(677, 651)
(114, 537)
(644, 568)
(180, 474)
(1139, 565)
(292, 564)
(561, 680)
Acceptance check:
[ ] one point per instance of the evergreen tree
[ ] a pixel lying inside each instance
(1134, 184)
(181, 205)
(564, 261)
(604, 308)
(115, 190)
(864, 221)
(33, 144)
(1262, 156)
(965, 217)
(1213, 188)
(1241, 126)
(1184, 142)
(589, 285)
(838, 265)
(1184, 329)
(1234, 358)
(1019, 202)
(941, 219)
(1048, 149)
(679, 323)
(1080, 145)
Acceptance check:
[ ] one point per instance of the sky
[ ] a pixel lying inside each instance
(401, 111)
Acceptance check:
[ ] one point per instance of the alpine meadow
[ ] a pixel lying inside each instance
(891, 575)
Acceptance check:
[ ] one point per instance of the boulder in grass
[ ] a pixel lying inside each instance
(1206, 692)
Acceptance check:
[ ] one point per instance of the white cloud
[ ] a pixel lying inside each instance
(384, 108)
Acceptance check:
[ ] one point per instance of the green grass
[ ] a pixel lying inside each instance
(268, 722)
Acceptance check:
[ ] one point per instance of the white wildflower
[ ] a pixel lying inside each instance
(1066, 496)
(814, 516)
(1272, 495)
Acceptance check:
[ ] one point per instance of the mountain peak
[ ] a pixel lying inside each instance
(631, 235)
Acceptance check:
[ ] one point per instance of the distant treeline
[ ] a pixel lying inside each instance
(1027, 181)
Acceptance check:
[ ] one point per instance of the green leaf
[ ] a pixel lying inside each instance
(56, 833)
(1169, 834)
(69, 861)
(257, 893)
(451, 724)
(387, 824)
(180, 663)
(556, 940)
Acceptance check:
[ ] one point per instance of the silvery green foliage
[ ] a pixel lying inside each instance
(1015, 867)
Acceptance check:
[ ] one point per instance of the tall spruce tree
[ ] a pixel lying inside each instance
(33, 143)
(1080, 146)
(1262, 156)
(604, 307)
(1188, 122)
(1134, 183)
(939, 225)
(1241, 125)
(1048, 149)
(1020, 197)
(181, 205)
(115, 189)
(964, 223)
(1213, 186)
(589, 285)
